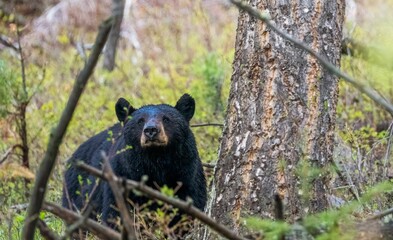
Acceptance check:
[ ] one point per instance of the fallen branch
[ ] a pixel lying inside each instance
(90, 225)
(265, 17)
(46, 166)
(381, 214)
(182, 205)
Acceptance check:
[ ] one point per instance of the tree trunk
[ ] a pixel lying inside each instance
(280, 119)
(110, 51)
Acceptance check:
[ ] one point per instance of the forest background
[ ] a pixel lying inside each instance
(163, 53)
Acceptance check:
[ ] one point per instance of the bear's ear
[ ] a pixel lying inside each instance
(123, 109)
(186, 106)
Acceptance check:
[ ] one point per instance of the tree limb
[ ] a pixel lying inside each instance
(6, 41)
(264, 17)
(209, 165)
(9, 151)
(182, 205)
(118, 191)
(78, 223)
(46, 233)
(207, 124)
(46, 166)
(94, 227)
(381, 214)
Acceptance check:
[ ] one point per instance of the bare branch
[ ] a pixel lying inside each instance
(46, 233)
(208, 165)
(81, 221)
(9, 151)
(118, 190)
(264, 17)
(381, 214)
(207, 124)
(22, 64)
(94, 227)
(182, 205)
(46, 166)
(8, 43)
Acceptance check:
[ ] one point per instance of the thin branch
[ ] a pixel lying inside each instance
(7, 42)
(388, 149)
(46, 233)
(207, 124)
(46, 166)
(347, 179)
(78, 223)
(22, 65)
(209, 165)
(90, 225)
(182, 205)
(9, 151)
(118, 190)
(381, 214)
(265, 17)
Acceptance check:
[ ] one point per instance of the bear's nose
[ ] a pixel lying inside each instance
(150, 132)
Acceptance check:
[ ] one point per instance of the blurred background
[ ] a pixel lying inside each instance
(166, 48)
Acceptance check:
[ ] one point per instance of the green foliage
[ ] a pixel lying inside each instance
(331, 224)
(8, 84)
(306, 175)
(211, 72)
(362, 138)
(270, 229)
(193, 55)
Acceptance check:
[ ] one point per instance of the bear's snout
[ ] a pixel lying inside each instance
(151, 132)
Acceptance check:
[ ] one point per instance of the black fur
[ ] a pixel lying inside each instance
(174, 161)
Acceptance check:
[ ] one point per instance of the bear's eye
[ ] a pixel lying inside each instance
(165, 119)
(141, 120)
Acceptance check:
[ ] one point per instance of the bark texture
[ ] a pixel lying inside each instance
(281, 111)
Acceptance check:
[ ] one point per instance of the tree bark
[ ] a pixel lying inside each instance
(281, 111)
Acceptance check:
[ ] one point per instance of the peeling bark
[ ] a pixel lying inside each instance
(280, 113)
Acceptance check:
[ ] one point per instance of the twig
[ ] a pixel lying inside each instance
(389, 147)
(207, 124)
(118, 190)
(264, 17)
(6, 42)
(80, 222)
(22, 63)
(46, 233)
(381, 214)
(182, 205)
(46, 166)
(347, 180)
(209, 165)
(9, 151)
(94, 227)
(21, 109)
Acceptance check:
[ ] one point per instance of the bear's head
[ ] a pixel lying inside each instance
(156, 126)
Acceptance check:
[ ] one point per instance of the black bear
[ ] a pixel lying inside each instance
(154, 140)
